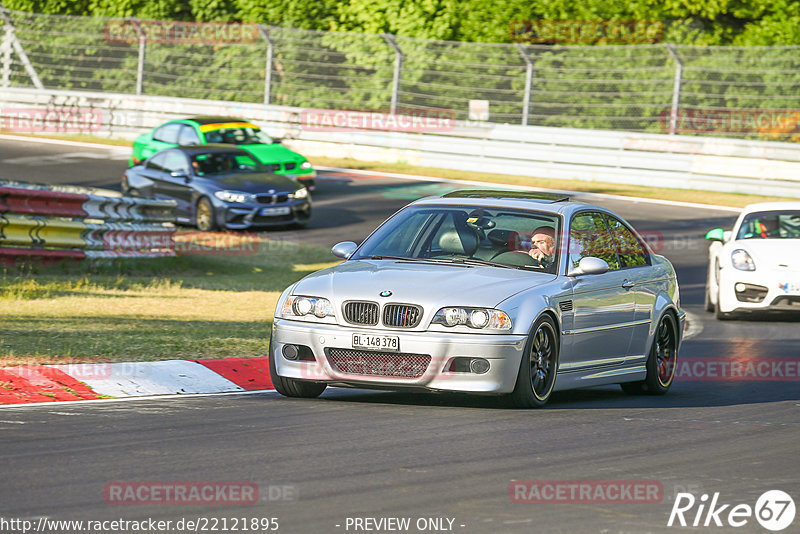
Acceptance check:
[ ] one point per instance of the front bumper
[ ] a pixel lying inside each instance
(764, 291)
(504, 353)
(245, 216)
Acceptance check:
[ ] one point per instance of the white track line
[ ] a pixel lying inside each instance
(531, 188)
(84, 144)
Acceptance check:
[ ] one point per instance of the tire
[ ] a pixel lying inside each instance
(290, 387)
(708, 305)
(204, 217)
(661, 362)
(537, 371)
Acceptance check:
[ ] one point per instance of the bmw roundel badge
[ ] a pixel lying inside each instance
(385, 293)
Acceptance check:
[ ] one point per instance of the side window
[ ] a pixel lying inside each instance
(176, 162)
(589, 236)
(188, 136)
(168, 133)
(156, 163)
(631, 252)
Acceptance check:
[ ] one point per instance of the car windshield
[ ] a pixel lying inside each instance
(770, 225)
(224, 163)
(238, 136)
(469, 235)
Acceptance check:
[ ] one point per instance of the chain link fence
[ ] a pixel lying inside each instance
(751, 92)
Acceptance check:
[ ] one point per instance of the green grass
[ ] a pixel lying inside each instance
(149, 309)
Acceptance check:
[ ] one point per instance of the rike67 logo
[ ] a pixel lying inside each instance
(774, 510)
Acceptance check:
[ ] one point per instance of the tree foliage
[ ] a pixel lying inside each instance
(711, 22)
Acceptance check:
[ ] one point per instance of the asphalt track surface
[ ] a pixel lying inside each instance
(356, 454)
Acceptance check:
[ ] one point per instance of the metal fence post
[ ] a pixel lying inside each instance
(11, 35)
(5, 50)
(398, 67)
(268, 70)
(526, 99)
(140, 64)
(676, 89)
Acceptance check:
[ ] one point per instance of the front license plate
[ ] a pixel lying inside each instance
(368, 341)
(284, 210)
(790, 287)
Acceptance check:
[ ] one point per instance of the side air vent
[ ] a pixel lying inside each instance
(565, 305)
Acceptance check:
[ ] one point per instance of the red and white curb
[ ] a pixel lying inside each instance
(73, 382)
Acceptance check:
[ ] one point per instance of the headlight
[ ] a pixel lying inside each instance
(234, 196)
(305, 165)
(301, 193)
(299, 306)
(479, 318)
(742, 260)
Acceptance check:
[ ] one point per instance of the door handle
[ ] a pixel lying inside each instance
(627, 284)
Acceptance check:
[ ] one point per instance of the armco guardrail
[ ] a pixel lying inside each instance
(68, 222)
(669, 161)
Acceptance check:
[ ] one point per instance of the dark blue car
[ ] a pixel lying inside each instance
(220, 186)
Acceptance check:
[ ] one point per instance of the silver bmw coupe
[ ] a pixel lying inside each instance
(486, 292)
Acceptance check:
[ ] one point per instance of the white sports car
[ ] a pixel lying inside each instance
(756, 266)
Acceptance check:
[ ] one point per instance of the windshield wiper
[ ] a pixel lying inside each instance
(475, 261)
(389, 258)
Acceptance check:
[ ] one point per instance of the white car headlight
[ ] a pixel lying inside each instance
(234, 196)
(300, 193)
(296, 306)
(742, 260)
(479, 318)
(305, 165)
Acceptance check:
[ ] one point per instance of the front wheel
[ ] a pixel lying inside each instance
(290, 387)
(537, 372)
(707, 304)
(204, 216)
(661, 362)
(718, 313)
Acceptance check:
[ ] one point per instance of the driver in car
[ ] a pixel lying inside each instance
(543, 246)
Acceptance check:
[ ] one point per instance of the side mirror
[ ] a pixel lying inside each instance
(589, 265)
(180, 174)
(717, 234)
(344, 249)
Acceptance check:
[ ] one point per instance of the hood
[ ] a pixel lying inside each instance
(773, 254)
(274, 153)
(255, 182)
(430, 285)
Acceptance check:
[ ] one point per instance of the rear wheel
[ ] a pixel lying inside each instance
(537, 372)
(661, 362)
(290, 387)
(204, 216)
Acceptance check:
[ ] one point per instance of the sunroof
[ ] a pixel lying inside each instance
(499, 193)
